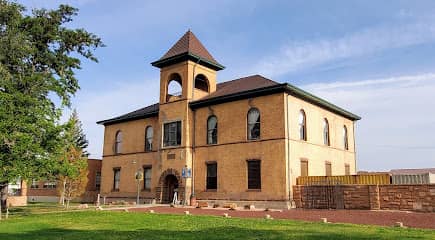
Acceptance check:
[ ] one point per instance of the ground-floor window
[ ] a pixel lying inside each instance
(98, 180)
(328, 169)
(35, 184)
(49, 185)
(116, 178)
(147, 177)
(211, 176)
(304, 167)
(346, 169)
(254, 174)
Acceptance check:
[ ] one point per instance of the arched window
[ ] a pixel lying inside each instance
(302, 126)
(253, 124)
(201, 82)
(326, 132)
(345, 138)
(212, 130)
(148, 139)
(174, 87)
(118, 142)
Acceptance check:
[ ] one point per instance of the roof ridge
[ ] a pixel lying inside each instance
(255, 75)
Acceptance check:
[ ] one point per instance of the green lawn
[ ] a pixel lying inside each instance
(121, 225)
(32, 208)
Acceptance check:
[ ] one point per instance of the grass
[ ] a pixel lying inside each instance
(33, 208)
(122, 225)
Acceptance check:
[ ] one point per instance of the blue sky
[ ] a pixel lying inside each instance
(374, 58)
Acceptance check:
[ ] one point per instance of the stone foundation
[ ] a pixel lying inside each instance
(377, 197)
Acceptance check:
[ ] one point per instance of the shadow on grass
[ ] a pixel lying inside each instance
(208, 233)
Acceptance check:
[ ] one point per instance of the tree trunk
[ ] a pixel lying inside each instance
(3, 195)
(62, 194)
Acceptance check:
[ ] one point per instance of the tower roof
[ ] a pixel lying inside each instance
(188, 47)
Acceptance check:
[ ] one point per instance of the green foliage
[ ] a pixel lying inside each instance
(36, 62)
(72, 176)
(106, 225)
(76, 136)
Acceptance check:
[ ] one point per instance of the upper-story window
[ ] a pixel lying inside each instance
(118, 142)
(201, 82)
(148, 139)
(326, 140)
(345, 138)
(212, 130)
(302, 126)
(172, 134)
(253, 124)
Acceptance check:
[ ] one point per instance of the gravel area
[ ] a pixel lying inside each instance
(382, 218)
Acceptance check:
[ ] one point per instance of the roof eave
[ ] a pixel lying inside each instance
(237, 96)
(120, 120)
(297, 92)
(285, 87)
(187, 56)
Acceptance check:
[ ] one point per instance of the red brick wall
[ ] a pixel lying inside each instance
(384, 197)
(94, 165)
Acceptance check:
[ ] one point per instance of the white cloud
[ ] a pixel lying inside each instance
(305, 54)
(397, 129)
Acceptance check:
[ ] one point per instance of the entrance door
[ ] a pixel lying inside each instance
(171, 183)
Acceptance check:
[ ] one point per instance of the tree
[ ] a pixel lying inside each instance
(38, 59)
(78, 136)
(73, 177)
(73, 162)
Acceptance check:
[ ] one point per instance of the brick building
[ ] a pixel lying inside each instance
(242, 140)
(46, 191)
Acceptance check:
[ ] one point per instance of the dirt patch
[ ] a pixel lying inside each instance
(382, 218)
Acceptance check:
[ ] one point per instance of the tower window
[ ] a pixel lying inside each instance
(201, 82)
(174, 88)
(172, 134)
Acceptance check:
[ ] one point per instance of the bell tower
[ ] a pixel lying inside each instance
(190, 67)
(187, 73)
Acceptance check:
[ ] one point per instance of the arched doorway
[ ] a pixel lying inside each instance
(169, 180)
(170, 185)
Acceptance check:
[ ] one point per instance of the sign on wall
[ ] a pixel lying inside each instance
(186, 172)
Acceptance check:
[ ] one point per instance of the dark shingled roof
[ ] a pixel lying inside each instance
(240, 85)
(188, 47)
(149, 111)
(189, 43)
(242, 88)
